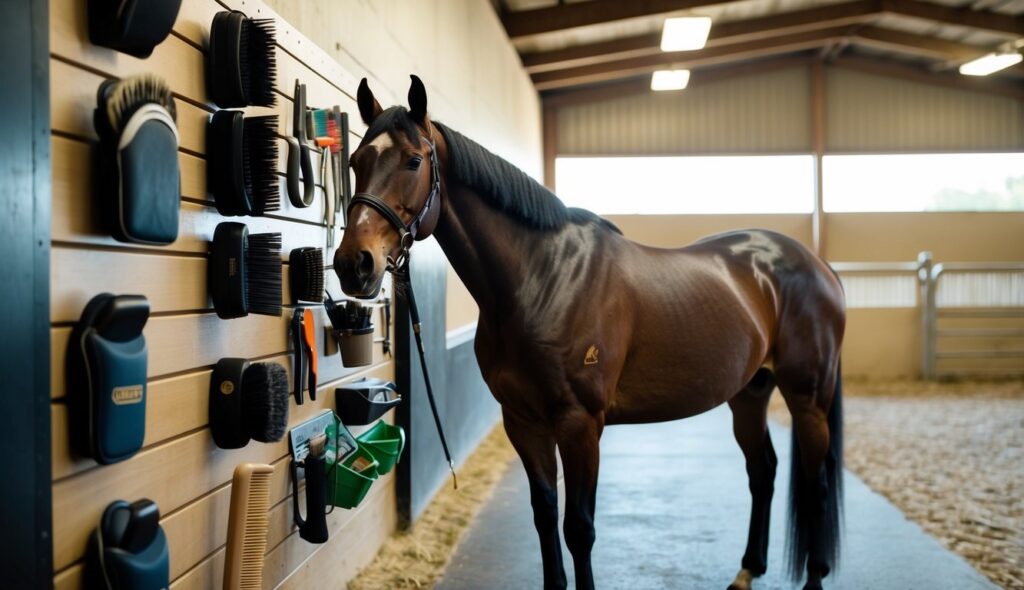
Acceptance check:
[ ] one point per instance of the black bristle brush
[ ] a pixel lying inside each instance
(306, 274)
(247, 401)
(241, 166)
(241, 65)
(265, 403)
(245, 271)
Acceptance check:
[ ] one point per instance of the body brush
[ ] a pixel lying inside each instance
(245, 272)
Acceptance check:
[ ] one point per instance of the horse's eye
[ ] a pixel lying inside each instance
(414, 163)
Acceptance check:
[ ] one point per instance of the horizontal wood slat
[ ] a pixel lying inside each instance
(171, 283)
(76, 217)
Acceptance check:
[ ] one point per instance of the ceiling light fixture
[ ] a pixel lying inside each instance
(670, 79)
(990, 64)
(685, 33)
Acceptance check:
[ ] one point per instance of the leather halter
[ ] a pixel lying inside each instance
(407, 233)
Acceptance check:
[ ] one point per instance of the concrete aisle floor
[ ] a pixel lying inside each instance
(672, 510)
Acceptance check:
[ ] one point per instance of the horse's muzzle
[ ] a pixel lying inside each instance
(359, 273)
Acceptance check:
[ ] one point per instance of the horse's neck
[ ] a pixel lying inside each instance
(485, 248)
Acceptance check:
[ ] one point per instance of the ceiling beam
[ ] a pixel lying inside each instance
(711, 55)
(528, 23)
(922, 45)
(1012, 26)
(848, 13)
(949, 80)
(642, 84)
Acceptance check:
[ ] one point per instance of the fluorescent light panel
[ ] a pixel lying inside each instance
(685, 33)
(990, 64)
(670, 79)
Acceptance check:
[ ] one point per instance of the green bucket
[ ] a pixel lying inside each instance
(348, 482)
(385, 442)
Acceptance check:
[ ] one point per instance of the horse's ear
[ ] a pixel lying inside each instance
(418, 101)
(369, 108)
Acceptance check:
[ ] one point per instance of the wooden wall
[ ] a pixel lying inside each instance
(179, 467)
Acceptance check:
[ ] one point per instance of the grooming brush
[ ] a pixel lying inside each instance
(134, 27)
(245, 272)
(265, 401)
(241, 165)
(306, 274)
(248, 523)
(241, 66)
(137, 159)
(247, 401)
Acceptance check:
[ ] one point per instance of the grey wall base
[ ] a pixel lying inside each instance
(467, 409)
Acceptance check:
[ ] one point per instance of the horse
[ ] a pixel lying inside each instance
(581, 328)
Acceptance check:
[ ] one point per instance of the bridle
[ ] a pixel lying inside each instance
(399, 268)
(407, 232)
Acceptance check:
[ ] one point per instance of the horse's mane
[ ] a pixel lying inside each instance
(502, 185)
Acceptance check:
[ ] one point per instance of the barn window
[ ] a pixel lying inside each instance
(691, 184)
(924, 182)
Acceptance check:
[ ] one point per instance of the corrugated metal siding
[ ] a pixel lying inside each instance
(765, 113)
(873, 113)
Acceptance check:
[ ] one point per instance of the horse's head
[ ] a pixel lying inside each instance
(397, 198)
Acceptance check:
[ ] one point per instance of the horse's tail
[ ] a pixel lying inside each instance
(801, 507)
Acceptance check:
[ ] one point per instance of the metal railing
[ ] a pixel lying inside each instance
(933, 312)
(929, 275)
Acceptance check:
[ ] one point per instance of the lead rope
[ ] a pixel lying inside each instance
(403, 279)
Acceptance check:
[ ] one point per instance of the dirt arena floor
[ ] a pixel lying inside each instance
(951, 457)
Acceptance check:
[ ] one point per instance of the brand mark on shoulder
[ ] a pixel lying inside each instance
(591, 356)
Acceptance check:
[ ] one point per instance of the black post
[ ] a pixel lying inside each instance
(25, 496)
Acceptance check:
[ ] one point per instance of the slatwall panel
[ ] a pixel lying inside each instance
(179, 467)
(764, 113)
(872, 113)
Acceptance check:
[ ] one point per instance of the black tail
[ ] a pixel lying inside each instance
(798, 542)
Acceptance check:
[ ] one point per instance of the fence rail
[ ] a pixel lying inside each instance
(950, 292)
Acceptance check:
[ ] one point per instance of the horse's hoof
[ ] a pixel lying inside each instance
(743, 580)
(812, 586)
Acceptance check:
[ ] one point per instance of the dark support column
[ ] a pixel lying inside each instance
(818, 148)
(25, 504)
(550, 133)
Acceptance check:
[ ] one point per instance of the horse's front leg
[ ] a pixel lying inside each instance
(536, 448)
(579, 435)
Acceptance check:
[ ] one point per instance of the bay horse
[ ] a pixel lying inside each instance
(581, 328)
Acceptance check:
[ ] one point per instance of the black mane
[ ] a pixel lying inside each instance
(502, 185)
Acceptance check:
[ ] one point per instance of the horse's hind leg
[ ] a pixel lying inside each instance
(750, 426)
(537, 450)
(813, 398)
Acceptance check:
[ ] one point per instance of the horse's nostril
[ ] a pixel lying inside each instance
(365, 266)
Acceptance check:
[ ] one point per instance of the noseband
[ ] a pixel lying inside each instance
(407, 233)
